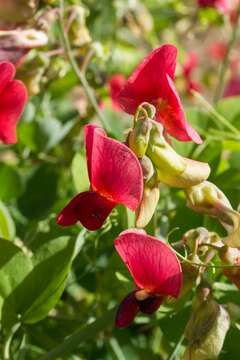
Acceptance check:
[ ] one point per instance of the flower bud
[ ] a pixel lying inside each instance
(78, 31)
(147, 168)
(17, 11)
(207, 327)
(206, 198)
(231, 256)
(148, 205)
(138, 137)
(173, 169)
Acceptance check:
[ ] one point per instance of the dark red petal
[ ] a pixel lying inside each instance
(148, 81)
(152, 263)
(151, 304)
(116, 172)
(12, 101)
(90, 208)
(89, 132)
(7, 72)
(172, 116)
(127, 311)
(116, 83)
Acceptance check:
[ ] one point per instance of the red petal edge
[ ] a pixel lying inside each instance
(127, 311)
(90, 208)
(115, 171)
(152, 263)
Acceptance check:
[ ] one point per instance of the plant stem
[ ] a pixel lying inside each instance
(225, 63)
(7, 345)
(81, 76)
(174, 355)
(80, 336)
(218, 118)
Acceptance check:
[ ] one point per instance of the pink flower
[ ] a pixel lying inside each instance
(152, 81)
(233, 87)
(156, 272)
(115, 176)
(13, 97)
(221, 5)
(116, 83)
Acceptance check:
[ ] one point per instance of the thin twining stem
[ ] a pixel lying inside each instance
(80, 74)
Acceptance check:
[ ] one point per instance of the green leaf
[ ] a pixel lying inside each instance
(14, 267)
(40, 192)
(230, 109)
(80, 172)
(10, 183)
(7, 226)
(39, 283)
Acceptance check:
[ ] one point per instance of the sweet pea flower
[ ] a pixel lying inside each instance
(221, 5)
(233, 87)
(115, 84)
(156, 272)
(13, 97)
(115, 178)
(152, 82)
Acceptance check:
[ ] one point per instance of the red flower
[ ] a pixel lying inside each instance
(190, 64)
(233, 87)
(220, 5)
(13, 97)
(188, 67)
(115, 176)
(152, 81)
(217, 50)
(156, 272)
(116, 83)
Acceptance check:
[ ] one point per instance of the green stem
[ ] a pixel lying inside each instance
(80, 336)
(174, 355)
(226, 60)
(7, 345)
(217, 118)
(78, 72)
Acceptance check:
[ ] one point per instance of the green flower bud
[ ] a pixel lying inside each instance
(148, 205)
(206, 198)
(207, 327)
(138, 137)
(78, 31)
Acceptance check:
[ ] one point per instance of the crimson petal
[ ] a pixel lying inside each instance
(173, 118)
(152, 264)
(148, 81)
(89, 132)
(115, 171)
(127, 310)
(7, 72)
(90, 208)
(12, 101)
(151, 304)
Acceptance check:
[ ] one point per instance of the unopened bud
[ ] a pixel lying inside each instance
(231, 256)
(206, 198)
(76, 22)
(148, 205)
(206, 329)
(147, 168)
(17, 11)
(173, 169)
(138, 138)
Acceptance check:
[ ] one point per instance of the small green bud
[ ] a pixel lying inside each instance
(138, 137)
